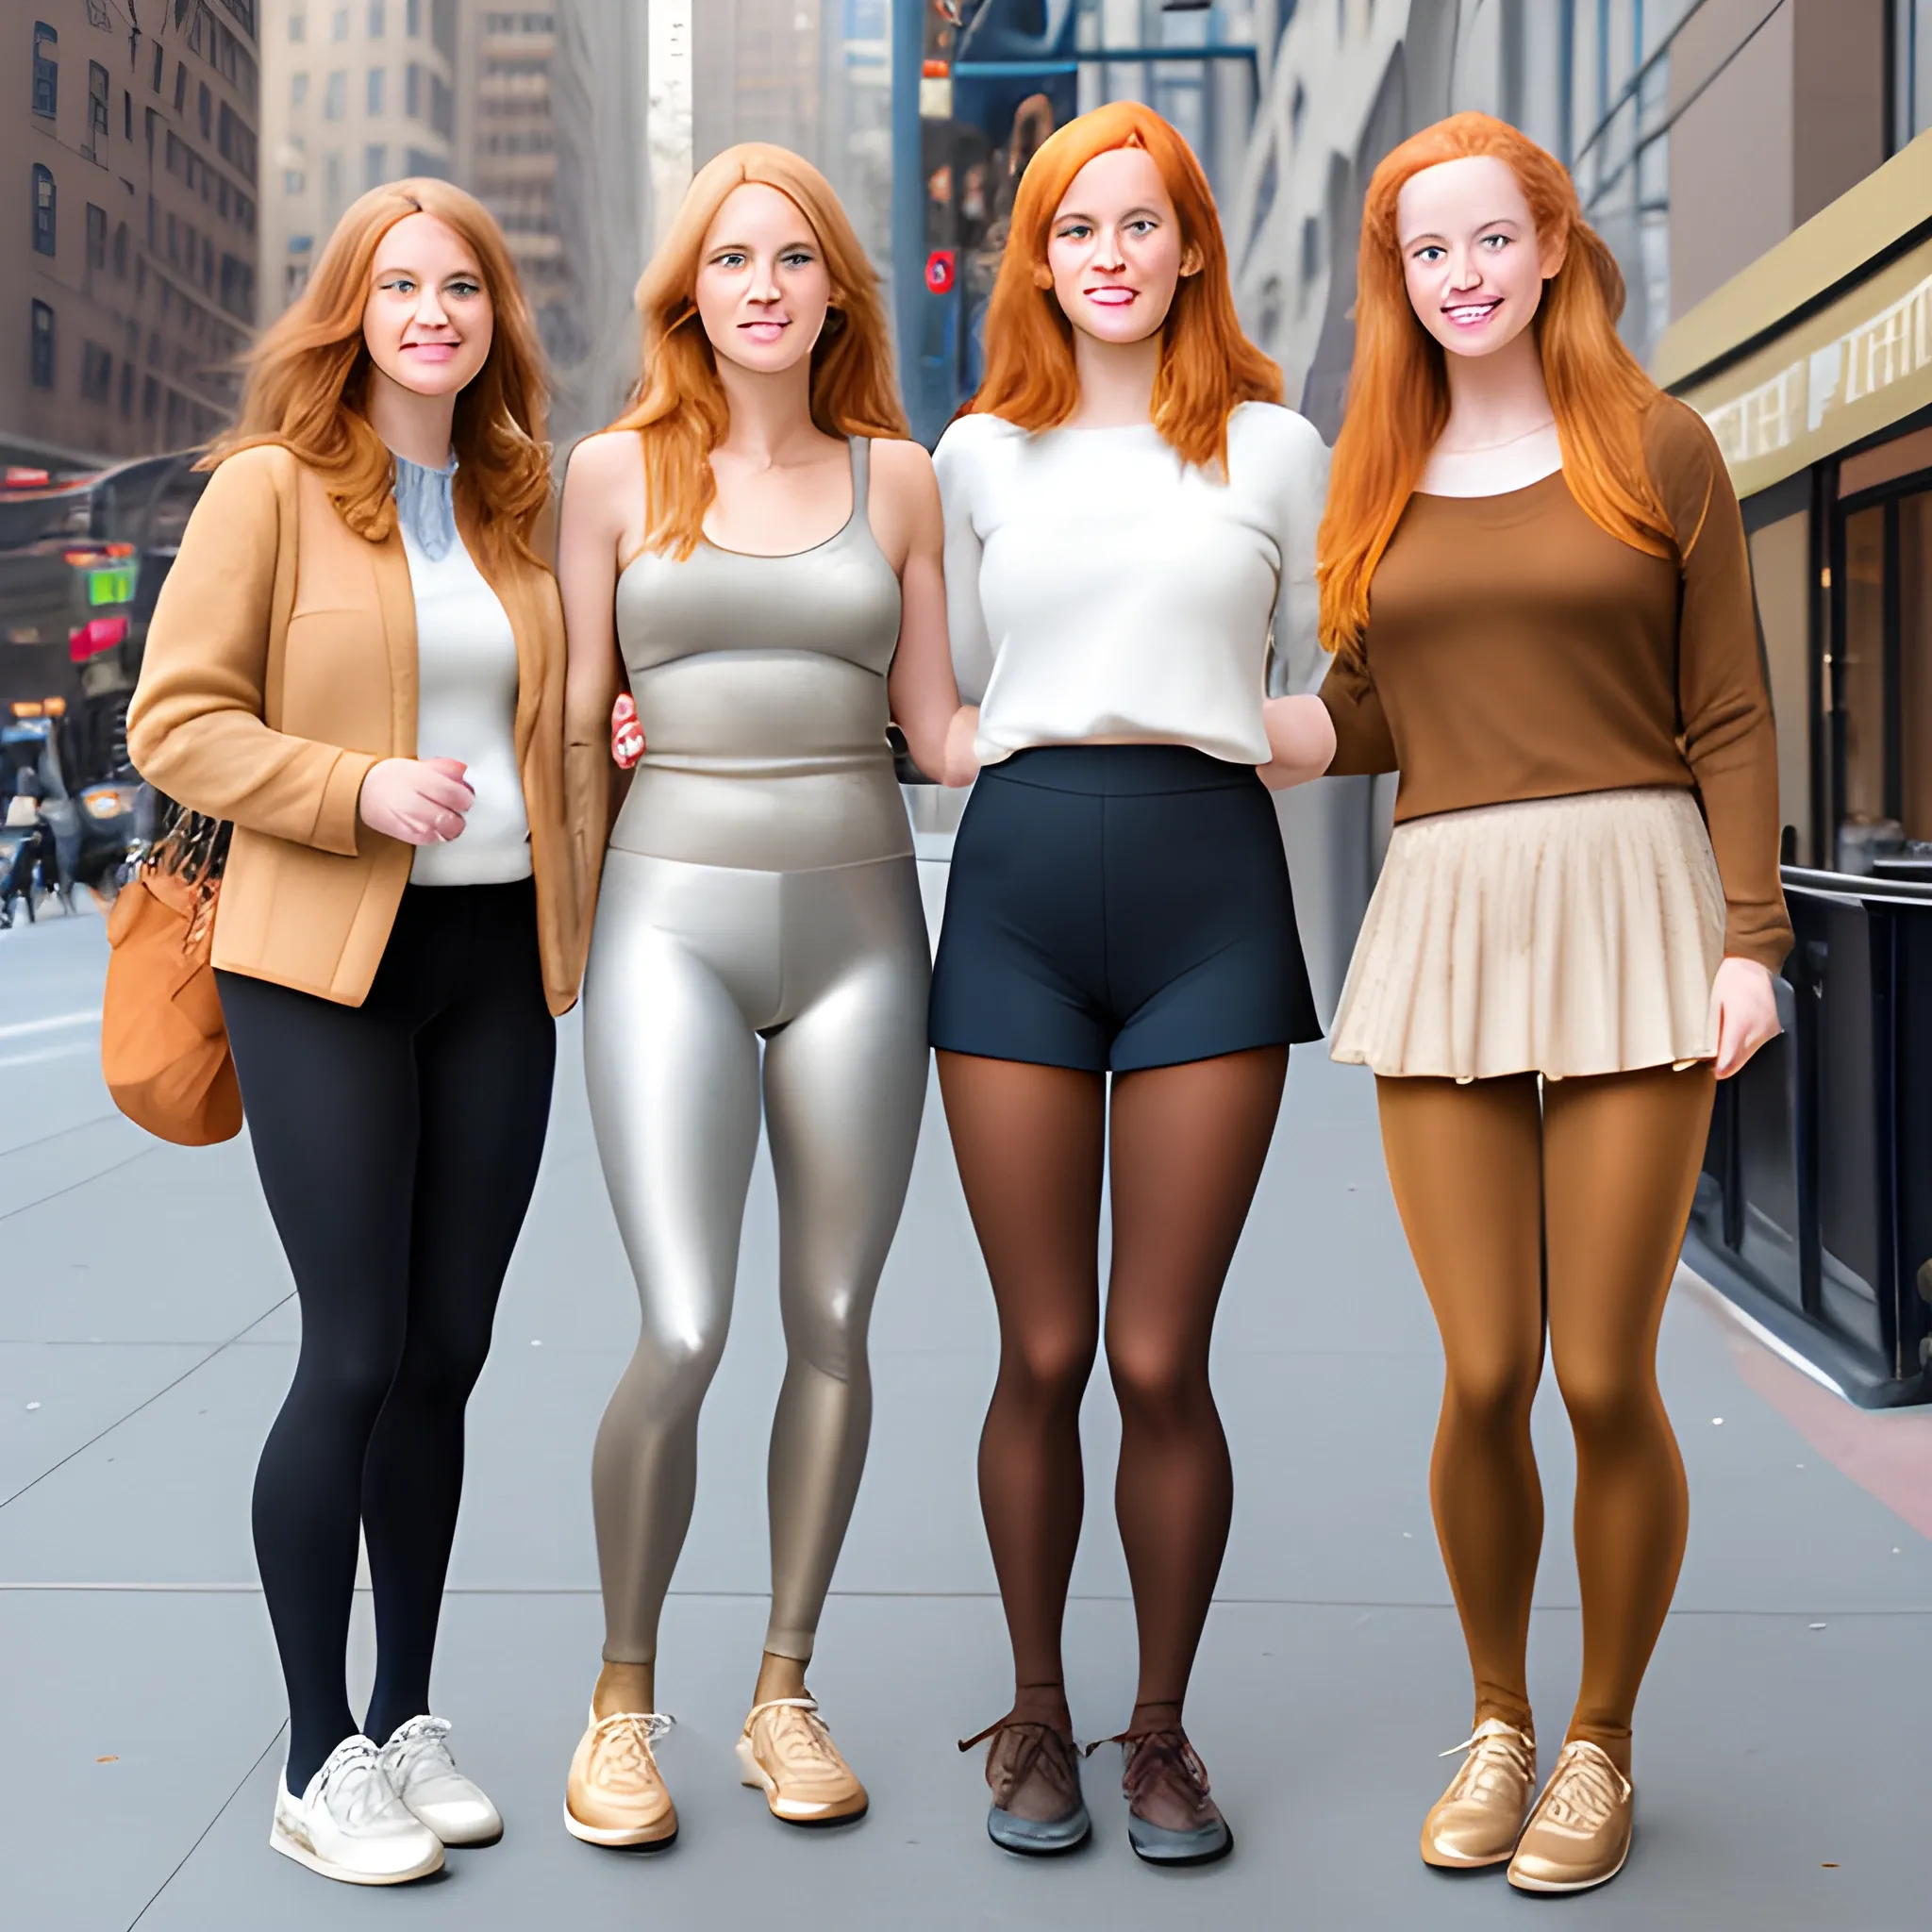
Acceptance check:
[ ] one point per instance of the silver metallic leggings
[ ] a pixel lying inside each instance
(689, 965)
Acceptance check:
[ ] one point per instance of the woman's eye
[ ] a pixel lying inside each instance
(400, 285)
(465, 287)
(1078, 232)
(797, 259)
(1498, 242)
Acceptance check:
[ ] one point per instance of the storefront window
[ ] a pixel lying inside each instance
(1782, 575)
(1882, 670)
(1911, 69)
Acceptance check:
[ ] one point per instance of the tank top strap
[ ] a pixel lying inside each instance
(860, 448)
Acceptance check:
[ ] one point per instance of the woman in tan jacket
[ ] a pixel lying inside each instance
(357, 661)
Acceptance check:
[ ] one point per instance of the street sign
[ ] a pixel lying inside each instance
(939, 269)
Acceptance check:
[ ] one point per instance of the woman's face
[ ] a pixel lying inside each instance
(1470, 254)
(428, 320)
(763, 284)
(1114, 252)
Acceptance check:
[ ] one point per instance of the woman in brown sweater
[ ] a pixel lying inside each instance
(1534, 582)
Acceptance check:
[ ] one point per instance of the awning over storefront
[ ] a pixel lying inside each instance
(1823, 339)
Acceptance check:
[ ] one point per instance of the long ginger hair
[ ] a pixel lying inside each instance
(309, 376)
(678, 406)
(1398, 388)
(1207, 366)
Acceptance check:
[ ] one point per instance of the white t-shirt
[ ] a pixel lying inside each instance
(466, 708)
(1097, 586)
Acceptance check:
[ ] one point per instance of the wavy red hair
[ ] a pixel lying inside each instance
(1398, 388)
(1207, 366)
(679, 406)
(307, 376)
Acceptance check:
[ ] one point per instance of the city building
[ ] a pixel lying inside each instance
(133, 146)
(355, 92)
(506, 149)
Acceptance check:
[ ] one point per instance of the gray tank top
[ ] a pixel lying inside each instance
(760, 685)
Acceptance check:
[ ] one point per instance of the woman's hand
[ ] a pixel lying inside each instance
(1301, 741)
(626, 734)
(962, 762)
(420, 801)
(1746, 1012)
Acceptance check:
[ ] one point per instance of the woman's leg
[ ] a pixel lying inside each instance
(844, 1090)
(1029, 1140)
(1620, 1159)
(484, 1068)
(1466, 1166)
(330, 1093)
(1189, 1143)
(673, 1072)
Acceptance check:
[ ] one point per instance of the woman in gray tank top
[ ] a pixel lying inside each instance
(759, 885)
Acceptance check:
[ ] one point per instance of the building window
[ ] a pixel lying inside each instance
(121, 251)
(335, 100)
(207, 104)
(1911, 69)
(339, 25)
(332, 185)
(96, 236)
(420, 161)
(298, 27)
(375, 74)
(443, 27)
(376, 165)
(298, 90)
(46, 70)
(99, 94)
(180, 85)
(126, 115)
(293, 180)
(443, 107)
(43, 209)
(376, 22)
(155, 80)
(413, 20)
(126, 392)
(412, 92)
(150, 399)
(43, 346)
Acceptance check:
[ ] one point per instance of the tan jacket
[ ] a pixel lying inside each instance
(280, 667)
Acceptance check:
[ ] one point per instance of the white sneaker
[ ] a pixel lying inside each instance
(350, 1825)
(425, 1779)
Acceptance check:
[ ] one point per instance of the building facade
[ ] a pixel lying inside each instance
(133, 141)
(355, 92)
(506, 149)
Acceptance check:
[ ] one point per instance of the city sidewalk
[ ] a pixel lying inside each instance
(148, 1333)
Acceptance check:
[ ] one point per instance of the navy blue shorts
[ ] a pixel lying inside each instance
(1115, 906)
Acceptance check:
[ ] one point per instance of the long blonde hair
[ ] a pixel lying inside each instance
(678, 406)
(309, 376)
(1398, 388)
(1207, 366)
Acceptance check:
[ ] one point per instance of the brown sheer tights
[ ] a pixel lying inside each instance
(1599, 1176)
(1189, 1142)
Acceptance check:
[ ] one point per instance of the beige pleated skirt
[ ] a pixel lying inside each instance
(1561, 936)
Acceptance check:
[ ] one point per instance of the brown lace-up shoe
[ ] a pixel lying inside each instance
(1579, 1833)
(1033, 1772)
(786, 1751)
(1478, 1819)
(1171, 1818)
(615, 1795)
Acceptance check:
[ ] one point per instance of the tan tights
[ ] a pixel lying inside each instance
(1562, 1210)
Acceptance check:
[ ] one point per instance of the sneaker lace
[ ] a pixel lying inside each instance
(629, 1735)
(422, 1737)
(802, 1740)
(1496, 1751)
(355, 1789)
(1586, 1788)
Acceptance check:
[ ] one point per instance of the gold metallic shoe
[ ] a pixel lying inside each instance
(786, 1751)
(1478, 1821)
(1579, 1833)
(616, 1795)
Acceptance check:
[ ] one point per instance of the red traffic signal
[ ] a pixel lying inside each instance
(938, 270)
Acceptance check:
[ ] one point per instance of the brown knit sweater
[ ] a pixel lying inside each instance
(1515, 650)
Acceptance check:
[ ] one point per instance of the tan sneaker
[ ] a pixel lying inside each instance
(787, 1752)
(1479, 1818)
(615, 1795)
(1579, 1833)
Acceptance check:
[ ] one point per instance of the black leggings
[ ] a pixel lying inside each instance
(398, 1144)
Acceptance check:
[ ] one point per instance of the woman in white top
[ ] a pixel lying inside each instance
(1129, 512)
